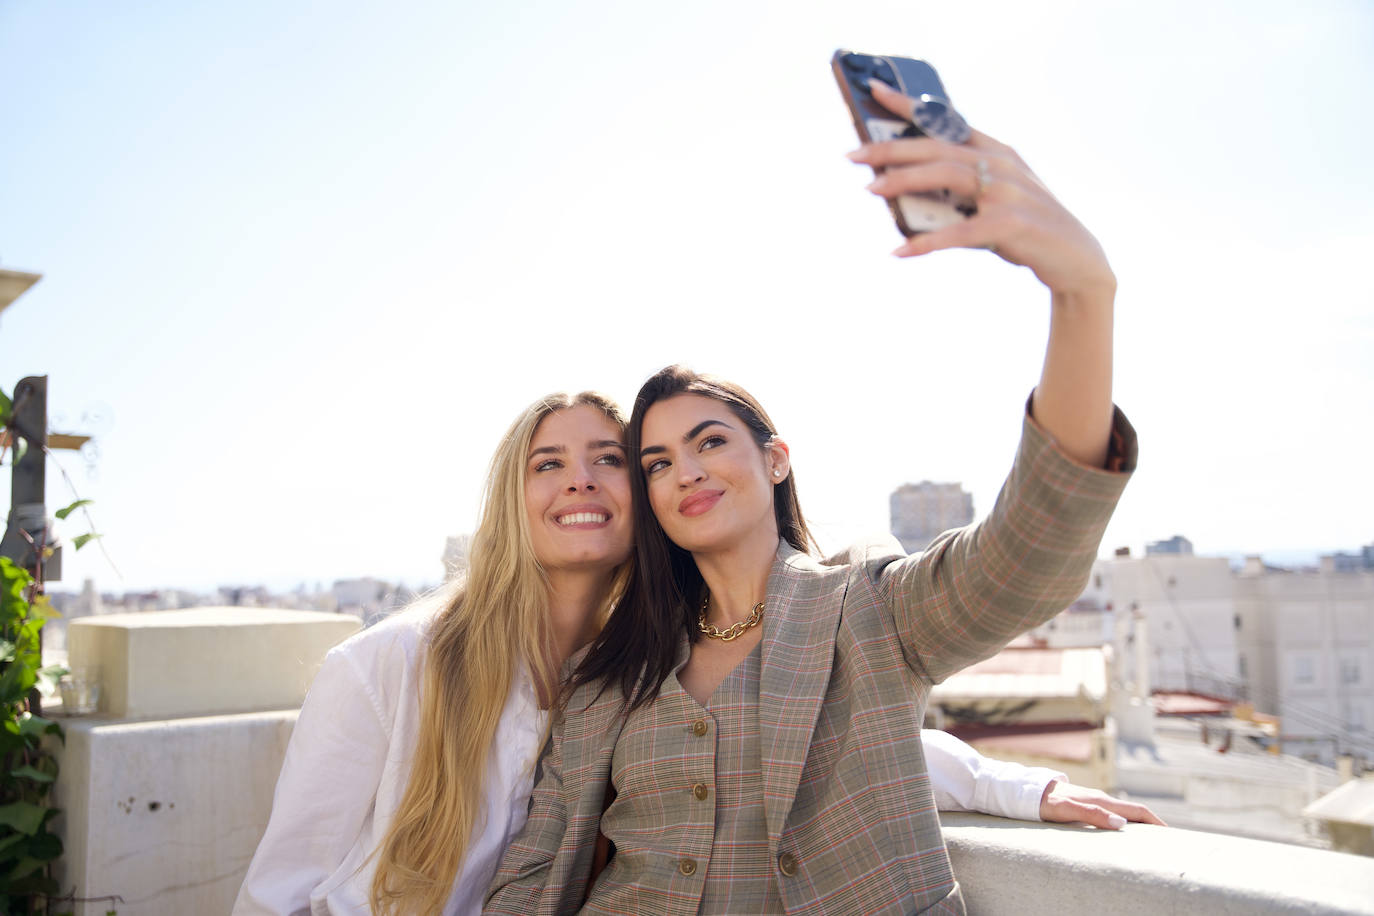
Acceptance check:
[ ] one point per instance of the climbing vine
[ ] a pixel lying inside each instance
(28, 765)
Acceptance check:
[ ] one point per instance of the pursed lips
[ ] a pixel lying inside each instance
(699, 502)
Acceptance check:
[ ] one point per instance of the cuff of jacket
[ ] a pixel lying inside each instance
(1051, 465)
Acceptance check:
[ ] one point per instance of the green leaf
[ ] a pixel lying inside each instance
(15, 683)
(24, 817)
(35, 884)
(48, 678)
(15, 579)
(27, 866)
(28, 772)
(41, 606)
(10, 840)
(6, 650)
(45, 846)
(10, 743)
(68, 510)
(37, 725)
(6, 409)
(81, 540)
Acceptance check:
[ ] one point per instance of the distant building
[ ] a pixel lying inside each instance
(1350, 562)
(1181, 606)
(230, 596)
(1040, 707)
(1298, 644)
(920, 511)
(1306, 647)
(1347, 815)
(369, 598)
(1177, 545)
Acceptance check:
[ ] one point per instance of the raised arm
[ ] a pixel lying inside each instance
(975, 589)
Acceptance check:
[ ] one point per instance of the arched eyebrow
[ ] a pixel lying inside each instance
(560, 449)
(691, 434)
(546, 450)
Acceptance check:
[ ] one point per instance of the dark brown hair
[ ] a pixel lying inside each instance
(638, 646)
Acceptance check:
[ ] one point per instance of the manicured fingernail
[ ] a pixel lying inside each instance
(858, 155)
(874, 82)
(875, 185)
(1116, 821)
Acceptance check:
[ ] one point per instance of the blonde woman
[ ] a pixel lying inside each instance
(411, 764)
(404, 781)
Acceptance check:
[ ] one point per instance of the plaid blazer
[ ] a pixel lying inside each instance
(851, 646)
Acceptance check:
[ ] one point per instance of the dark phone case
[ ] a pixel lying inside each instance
(936, 114)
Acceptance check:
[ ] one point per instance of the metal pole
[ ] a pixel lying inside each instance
(28, 512)
(26, 534)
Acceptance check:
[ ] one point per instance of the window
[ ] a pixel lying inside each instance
(1241, 666)
(1350, 670)
(1302, 670)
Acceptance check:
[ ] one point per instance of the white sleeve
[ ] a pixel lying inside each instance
(964, 780)
(325, 792)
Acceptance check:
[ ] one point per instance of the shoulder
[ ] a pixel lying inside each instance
(381, 662)
(403, 634)
(881, 548)
(863, 558)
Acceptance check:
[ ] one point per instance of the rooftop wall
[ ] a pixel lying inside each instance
(1014, 868)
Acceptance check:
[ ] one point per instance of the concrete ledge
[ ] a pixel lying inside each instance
(204, 661)
(1014, 868)
(166, 814)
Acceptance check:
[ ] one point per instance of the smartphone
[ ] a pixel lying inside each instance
(934, 117)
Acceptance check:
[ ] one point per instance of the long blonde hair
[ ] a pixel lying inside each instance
(496, 620)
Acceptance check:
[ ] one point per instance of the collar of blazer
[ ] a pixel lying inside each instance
(805, 597)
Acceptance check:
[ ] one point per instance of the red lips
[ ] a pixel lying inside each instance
(699, 502)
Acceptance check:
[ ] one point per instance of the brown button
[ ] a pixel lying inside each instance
(700, 791)
(699, 727)
(687, 866)
(787, 864)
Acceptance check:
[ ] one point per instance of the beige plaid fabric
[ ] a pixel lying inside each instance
(850, 648)
(701, 797)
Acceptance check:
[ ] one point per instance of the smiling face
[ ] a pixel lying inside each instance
(577, 491)
(710, 484)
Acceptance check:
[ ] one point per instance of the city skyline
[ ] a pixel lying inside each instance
(300, 271)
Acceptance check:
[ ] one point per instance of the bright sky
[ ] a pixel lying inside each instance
(304, 262)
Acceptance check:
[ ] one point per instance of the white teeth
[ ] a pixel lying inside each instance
(582, 518)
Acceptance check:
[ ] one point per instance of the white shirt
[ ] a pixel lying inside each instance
(346, 770)
(964, 780)
(348, 763)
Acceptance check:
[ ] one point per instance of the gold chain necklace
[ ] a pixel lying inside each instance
(730, 632)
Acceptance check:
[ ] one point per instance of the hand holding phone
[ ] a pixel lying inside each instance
(932, 116)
